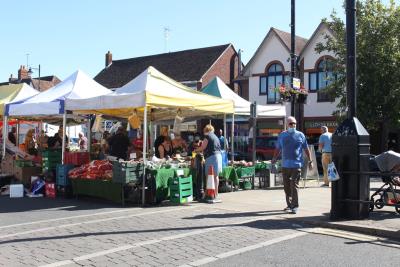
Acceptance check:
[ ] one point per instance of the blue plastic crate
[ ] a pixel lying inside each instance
(62, 174)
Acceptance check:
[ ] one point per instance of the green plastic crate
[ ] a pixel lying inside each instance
(125, 172)
(181, 190)
(24, 163)
(51, 153)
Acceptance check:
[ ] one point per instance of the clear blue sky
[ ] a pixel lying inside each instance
(67, 35)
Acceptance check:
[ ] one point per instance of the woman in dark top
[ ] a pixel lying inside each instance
(211, 147)
(164, 150)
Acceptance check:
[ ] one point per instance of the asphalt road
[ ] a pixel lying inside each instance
(317, 250)
(59, 232)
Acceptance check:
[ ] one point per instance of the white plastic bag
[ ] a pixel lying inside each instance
(333, 174)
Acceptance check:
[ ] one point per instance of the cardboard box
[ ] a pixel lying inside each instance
(7, 165)
(24, 174)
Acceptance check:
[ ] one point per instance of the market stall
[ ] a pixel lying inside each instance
(218, 88)
(50, 106)
(155, 97)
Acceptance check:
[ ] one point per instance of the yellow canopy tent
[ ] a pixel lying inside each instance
(154, 93)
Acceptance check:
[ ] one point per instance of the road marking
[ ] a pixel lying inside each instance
(244, 249)
(58, 208)
(355, 236)
(93, 221)
(65, 218)
(148, 242)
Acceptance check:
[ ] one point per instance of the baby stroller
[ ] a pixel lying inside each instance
(389, 194)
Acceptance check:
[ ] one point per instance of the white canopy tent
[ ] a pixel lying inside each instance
(52, 102)
(218, 88)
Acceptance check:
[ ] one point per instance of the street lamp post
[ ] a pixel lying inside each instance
(30, 74)
(292, 55)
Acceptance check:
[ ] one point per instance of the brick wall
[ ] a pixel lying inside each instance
(226, 68)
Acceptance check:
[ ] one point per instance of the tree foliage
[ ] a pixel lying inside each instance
(378, 62)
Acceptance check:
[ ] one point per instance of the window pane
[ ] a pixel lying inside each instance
(330, 78)
(263, 85)
(271, 89)
(286, 79)
(278, 68)
(278, 80)
(271, 69)
(313, 81)
(321, 80)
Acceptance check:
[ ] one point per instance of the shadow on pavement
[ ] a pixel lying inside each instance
(9, 205)
(238, 215)
(276, 224)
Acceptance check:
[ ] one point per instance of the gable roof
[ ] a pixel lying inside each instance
(46, 82)
(320, 26)
(284, 38)
(187, 65)
(287, 40)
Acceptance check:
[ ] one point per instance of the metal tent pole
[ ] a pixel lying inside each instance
(232, 137)
(63, 136)
(144, 155)
(225, 143)
(5, 133)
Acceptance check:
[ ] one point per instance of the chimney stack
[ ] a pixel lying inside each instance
(108, 59)
(22, 73)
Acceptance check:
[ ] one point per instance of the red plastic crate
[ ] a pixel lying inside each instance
(50, 189)
(76, 158)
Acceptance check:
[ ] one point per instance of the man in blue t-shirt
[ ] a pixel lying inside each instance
(325, 146)
(291, 144)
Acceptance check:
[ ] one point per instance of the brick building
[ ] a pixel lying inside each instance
(24, 76)
(194, 67)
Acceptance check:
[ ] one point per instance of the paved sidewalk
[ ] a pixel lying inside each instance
(315, 203)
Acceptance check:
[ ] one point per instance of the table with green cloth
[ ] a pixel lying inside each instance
(161, 179)
(229, 174)
(259, 166)
(104, 189)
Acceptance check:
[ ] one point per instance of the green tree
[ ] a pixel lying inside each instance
(378, 65)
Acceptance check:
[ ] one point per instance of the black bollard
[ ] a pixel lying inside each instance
(350, 153)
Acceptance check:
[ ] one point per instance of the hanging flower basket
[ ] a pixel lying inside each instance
(286, 93)
(301, 98)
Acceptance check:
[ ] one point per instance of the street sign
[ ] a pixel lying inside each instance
(253, 110)
(296, 83)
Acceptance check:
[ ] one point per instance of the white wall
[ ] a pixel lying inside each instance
(271, 50)
(314, 108)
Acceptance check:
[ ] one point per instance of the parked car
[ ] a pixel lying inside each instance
(265, 147)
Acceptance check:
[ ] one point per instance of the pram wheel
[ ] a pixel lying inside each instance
(379, 204)
(371, 206)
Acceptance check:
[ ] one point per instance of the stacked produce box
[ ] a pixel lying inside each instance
(181, 190)
(127, 172)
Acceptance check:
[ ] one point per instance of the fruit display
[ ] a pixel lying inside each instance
(241, 163)
(97, 169)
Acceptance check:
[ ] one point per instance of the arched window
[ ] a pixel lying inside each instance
(321, 78)
(274, 79)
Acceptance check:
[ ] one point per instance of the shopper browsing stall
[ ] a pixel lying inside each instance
(30, 143)
(83, 142)
(211, 147)
(179, 145)
(164, 150)
(119, 144)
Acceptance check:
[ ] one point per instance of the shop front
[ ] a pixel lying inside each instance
(313, 126)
